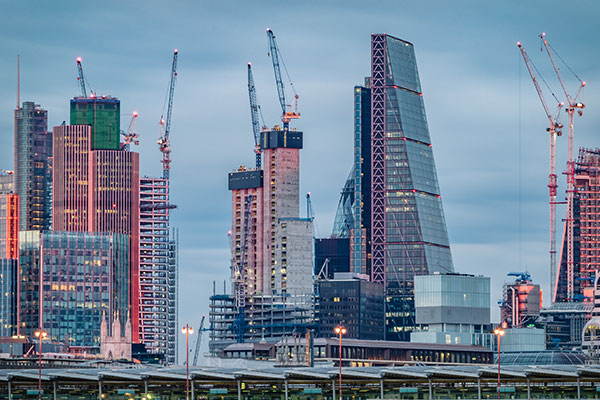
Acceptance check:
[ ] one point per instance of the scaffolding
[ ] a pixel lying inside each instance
(586, 243)
(268, 318)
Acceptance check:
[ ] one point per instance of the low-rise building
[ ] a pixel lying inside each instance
(452, 309)
(352, 301)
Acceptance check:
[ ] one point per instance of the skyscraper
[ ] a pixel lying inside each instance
(586, 220)
(33, 173)
(85, 275)
(98, 191)
(399, 228)
(158, 275)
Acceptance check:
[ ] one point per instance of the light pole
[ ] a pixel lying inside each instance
(187, 330)
(40, 334)
(499, 332)
(340, 330)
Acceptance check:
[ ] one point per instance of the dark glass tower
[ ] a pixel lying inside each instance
(33, 172)
(408, 234)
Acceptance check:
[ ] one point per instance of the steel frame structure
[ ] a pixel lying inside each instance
(378, 85)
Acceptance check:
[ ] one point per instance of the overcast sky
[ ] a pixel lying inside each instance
(486, 123)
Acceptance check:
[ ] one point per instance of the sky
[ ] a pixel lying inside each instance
(486, 123)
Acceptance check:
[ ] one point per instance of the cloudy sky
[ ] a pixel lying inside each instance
(486, 123)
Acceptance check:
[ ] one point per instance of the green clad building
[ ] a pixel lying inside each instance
(103, 114)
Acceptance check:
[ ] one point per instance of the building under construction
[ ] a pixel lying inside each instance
(271, 246)
(271, 250)
(521, 301)
(586, 227)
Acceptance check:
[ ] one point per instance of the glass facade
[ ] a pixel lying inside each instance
(33, 170)
(9, 226)
(344, 217)
(409, 233)
(103, 114)
(79, 276)
(8, 297)
(360, 247)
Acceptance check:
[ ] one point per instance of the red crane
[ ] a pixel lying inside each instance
(554, 129)
(572, 104)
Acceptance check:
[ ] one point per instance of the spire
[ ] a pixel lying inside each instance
(18, 81)
(103, 327)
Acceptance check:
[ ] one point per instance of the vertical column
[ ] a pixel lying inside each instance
(378, 50)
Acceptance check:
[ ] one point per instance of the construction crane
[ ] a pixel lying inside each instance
(288, 111)
(554, 129)
(198, 342)
(309, 208)
(165, 122)
(238, 275)
(254, 112)
(81, 79)
(131, 135)
(572, 104)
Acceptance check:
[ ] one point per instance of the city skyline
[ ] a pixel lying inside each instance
(477, 138)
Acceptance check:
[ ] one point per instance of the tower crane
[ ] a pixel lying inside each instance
(198, 342)
(165, 122)
(131, 135)
(81, 79)
(288, 111)
(238, 273)
(554, 129)
(572, 104)
(254, 111)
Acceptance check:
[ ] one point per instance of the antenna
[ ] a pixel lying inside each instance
(18, 82)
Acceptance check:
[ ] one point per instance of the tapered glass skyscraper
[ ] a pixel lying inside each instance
(399, 229)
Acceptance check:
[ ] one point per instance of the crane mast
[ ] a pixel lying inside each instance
(572, 105)
(554, 129)
(254, 108)
(288, 112)
(198, 342)
(81, 78)
(165, 123)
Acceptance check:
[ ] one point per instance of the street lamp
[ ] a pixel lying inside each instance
(187, 330)
(499, 332)
(40, 334)
(340, 330)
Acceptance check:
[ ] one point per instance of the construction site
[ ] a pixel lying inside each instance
(271, 245)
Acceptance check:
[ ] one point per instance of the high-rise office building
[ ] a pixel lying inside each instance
(399, 229)
(9, 298)
(586, 222)
(33, 172)
(103, 115)
(158, 270)
(9, 226)
(98, 191)
(85, 276)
